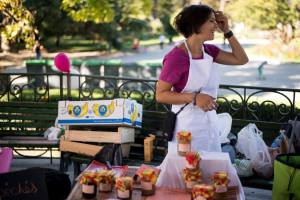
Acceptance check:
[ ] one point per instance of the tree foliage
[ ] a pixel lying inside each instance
(17, 22)
(98, 11)
(47, 14)
(104, 11)
(212, 3)
(114, 19)
(267, 15)
(166, 8)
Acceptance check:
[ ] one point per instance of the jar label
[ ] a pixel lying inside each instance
(146, 185)
(200, 198)
(221, 188)
(124, 194)
(190, 184)
(184, 147)
(104, 187)
(88, 189)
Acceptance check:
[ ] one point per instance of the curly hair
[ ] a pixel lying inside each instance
(191, 18)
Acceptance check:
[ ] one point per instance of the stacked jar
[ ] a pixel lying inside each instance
(191, 173)
(184, 139)
(203, 192)
(221, 181)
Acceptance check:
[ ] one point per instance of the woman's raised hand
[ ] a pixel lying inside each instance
(206, 102)
(222, 21)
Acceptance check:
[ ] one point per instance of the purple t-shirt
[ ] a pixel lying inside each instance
(176, 66)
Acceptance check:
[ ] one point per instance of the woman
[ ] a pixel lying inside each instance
(190, 76)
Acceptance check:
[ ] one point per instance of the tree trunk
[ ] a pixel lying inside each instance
(0, 43)
(154, 8)
(57, 42)
(222, 5)
(5, 46)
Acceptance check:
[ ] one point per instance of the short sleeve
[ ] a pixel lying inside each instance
(212, 50)
(174, 66)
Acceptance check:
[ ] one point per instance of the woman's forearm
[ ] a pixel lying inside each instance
(170, 97)
(237, 50)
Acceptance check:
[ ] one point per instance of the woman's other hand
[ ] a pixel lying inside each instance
(206, 102)
(222, 21)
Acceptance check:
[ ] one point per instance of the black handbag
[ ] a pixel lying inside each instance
(170, 121)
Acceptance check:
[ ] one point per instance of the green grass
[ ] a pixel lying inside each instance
(74, 44)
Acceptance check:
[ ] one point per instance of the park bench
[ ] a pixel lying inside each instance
(22, 126)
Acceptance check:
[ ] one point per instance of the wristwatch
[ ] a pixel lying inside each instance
(229, 34)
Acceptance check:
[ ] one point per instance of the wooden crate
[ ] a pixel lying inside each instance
(120, 136)
(74, 140)
(148, 148)
(80, 148)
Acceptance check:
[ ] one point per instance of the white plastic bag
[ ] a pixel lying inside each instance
(263, 165)
(251, 144)
(52, 133)
(224, 126)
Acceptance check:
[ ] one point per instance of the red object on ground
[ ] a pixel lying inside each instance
(6, 156)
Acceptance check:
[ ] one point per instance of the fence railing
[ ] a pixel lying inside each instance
(242, 102)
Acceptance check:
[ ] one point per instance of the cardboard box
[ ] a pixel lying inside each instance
(100, 112)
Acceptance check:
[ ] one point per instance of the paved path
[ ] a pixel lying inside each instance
(276, 75)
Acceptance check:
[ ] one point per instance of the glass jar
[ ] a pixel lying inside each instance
(190, 184)
(220, 181)
(203, 192)
(191, 177)
(184, 139)
(192, 160)
(124, 194)
(148, 188)
(89, 191)
(105, 187)
(183, 148)
(124, 187)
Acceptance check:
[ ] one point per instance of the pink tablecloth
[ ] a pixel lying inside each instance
(172, 166)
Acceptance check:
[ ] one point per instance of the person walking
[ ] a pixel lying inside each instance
(162, 39)
(37, 48)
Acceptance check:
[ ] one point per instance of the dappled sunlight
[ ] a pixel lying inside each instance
(294, 77)
(264, 96)
(237, 73)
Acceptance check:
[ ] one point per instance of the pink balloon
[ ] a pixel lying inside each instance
(62, 62)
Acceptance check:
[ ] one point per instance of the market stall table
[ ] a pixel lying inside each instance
(161, 192)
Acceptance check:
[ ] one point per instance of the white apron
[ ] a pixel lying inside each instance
(203, 125)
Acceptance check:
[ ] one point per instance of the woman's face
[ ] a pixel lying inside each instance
(208, 29)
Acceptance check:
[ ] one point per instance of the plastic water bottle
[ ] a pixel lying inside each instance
(277, 141)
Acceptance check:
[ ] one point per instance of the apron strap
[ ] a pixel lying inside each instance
(188, 50)
(181, 109)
